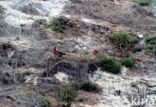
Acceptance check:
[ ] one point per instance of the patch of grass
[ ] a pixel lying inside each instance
(29, 94)
(143, 3)
(30, 18)
(45, 101)
(28, 72)
(131, 20)
(128, 62)
(96, 3)
(43, 93)
(109, 64)
(85, 85)
(70, 6)
(22, 25)
(67, 95)
(58, 27)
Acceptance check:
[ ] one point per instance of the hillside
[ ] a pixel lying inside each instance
(109, 47)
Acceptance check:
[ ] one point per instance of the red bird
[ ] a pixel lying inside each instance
(58, 53)
(95, 52)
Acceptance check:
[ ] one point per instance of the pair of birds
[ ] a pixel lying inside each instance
(60, 54)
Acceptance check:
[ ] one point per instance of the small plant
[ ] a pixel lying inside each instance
(45, 101)
(22, 25)
(67, 95)
(55, 26)
(109, 64)
(143, 3)
(46, 24)
(70, 6)
(123, 40)
(128, 62)
(151, 39)
(96, 3)
(43, 93)
(58, 27)
(29, 94)
(30, 18)
(28, 72)
(130, 20)
(154, 52)
(85, 85)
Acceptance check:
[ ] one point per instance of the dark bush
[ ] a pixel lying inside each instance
(128, 62)
(85, 85)
(109, 64)
(57, 25)
(28, 72)
(143, 3)
(151, 40)
(67, 95)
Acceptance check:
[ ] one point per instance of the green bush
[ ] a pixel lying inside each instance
(123, 40)
(43, 92)
(29, 94)
(45, 101)
(109, 64)
(154, 52)
(85, 85)
(28, 72)
(67, 95)
(128, 62)
(151, 40)
(57, 26)
(143, 3)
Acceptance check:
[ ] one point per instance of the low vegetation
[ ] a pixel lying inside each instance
(151, 40)
(128, 62)
(28, 72)
(111, 65)
(45, 101)
(123, 40)
(57, 25)
(70, 6)
(67, 95)
(143, 3)
(85, 85)
(29, 94)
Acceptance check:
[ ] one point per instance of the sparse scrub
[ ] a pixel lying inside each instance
(128, 62)
(109, 64)
(28, 72)
(57, 25)
(131, 20)
(70, 6)
(43, 93)
(45, 101)
(123, 40)
(30, 18)
(67, 95)
(151, 39)
(29, 94)
(85, 85)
